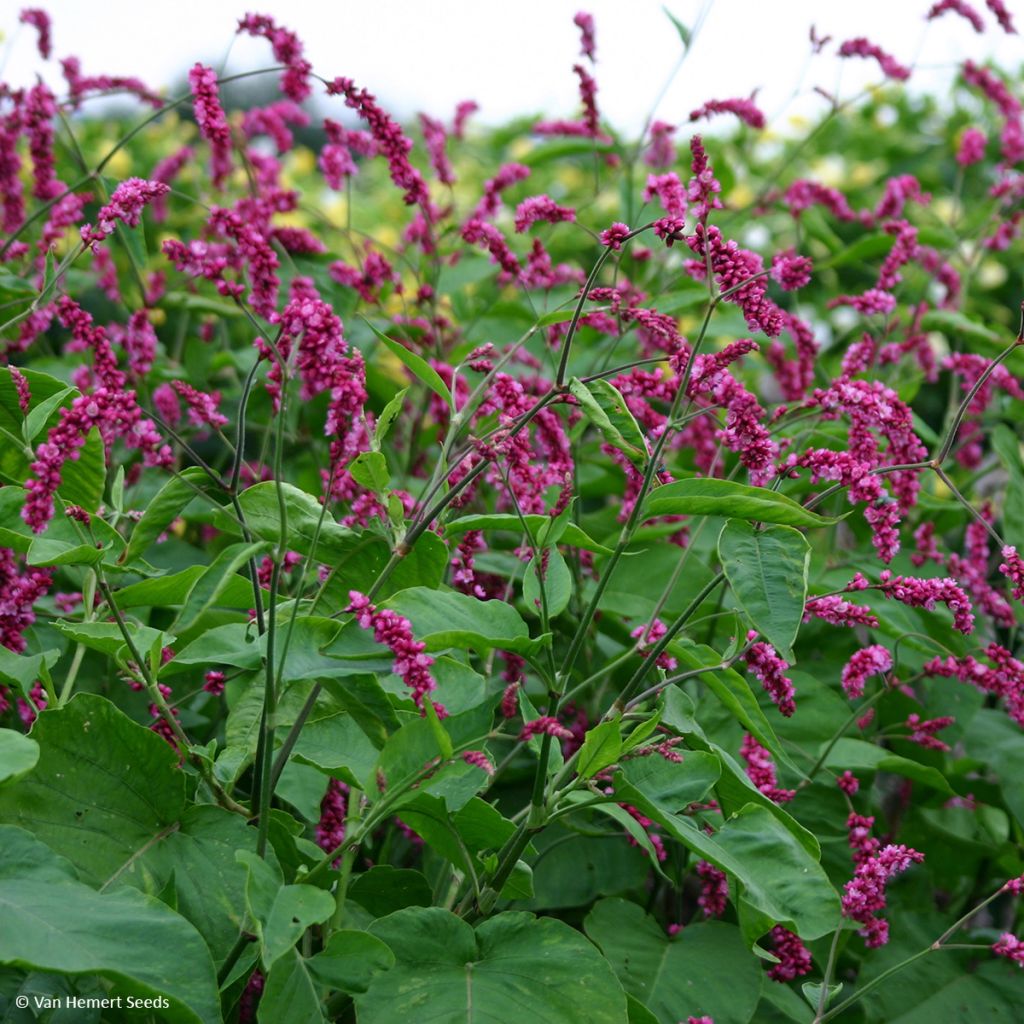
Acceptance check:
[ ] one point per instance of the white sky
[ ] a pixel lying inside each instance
(515, 56)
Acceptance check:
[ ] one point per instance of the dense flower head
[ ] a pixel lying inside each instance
(745, 109)
(866, 662)
(918, 592)
(1012, 567)
(126, 204)
(791, 271)
(40, 21)
(861, 47)
(794, 957)
(972, 147)
(392, 143)
(739, 272)
(287, 49)
(763, 660)
(394, 631)
(714, 894)
(541, 208)
(615, 236)
(848, 783)
(761, 770)
(80, 84)
(546, 725)
(585, 23)
(961, 7)
(1002, 15)
(864, 894)
(839, 612)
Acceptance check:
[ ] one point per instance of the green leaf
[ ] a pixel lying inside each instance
(709, 496)
(419, 367)
(350, 960)
(704, 970)
(109, 795)
(383, 889)
(387, 418)
(857, 755)
(290, 993)
(370, 470)
(106, 637)
(684, 33)
(302, 512)
(38, 417)
(608, 411)
(54, 923)
(22, 670)
(18, 755)
(667, 785)
(65, 542)
(557, 584)
(292, 909)
(215, 580)
(572, 535)
(444, 619)
(767, 570)
(779, 877)
(602, 746)
(166, 505)
(959, 326)
(512, 963)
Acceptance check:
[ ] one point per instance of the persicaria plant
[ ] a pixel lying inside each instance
(463, 574)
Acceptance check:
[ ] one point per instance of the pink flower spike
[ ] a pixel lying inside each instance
(861, 47)
(1012, 567)
(545, 725)
(585, 23)
(478, 759)
(614, 236)
(998, 8)
(791, 271)
(848, 783)
(1011, 947)
(541, 208)
(40, 21)
(965, 10)
(22, 389)
(745, 109)
(126, 205)
(866, 662)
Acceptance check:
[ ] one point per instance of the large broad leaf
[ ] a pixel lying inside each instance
(443, 619)
(360, 567)
(767, 570)
(513, 967)
(779, 877)
(709, 496)
(291, 993)
(302, 513)
(53, 922)
(670, 785)
(705, 969)
(18, 754)
(108, 794)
